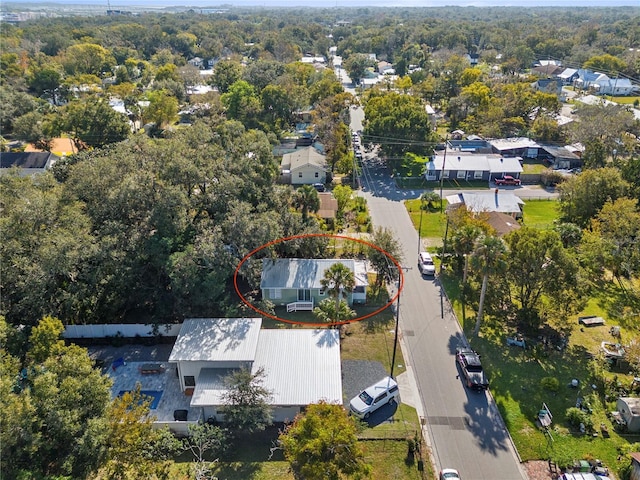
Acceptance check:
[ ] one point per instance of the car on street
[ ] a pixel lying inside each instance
(372, 398)
(472, 371)
(449, 474)
(507, 180)
(426, 265)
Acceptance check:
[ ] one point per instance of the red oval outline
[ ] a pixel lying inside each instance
(308, 235)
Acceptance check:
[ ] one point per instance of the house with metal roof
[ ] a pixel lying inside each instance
(301, 366)
(459, 165)
(296, 282)
(304, 166)
(515, 147)
(488, 202)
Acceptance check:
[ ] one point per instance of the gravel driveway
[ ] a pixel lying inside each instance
(358, 375)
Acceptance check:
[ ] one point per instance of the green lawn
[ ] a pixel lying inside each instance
(540, 213)
(433, 223)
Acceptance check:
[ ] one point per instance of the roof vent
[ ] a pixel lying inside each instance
(502, 159)
(458, 158)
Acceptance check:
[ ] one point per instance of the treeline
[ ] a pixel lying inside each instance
(146, 230)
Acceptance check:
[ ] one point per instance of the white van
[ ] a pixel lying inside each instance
(372, 398)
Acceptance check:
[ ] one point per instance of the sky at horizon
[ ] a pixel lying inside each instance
(344, 3)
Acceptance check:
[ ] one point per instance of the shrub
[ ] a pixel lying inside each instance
(550, 383)
(575, 416)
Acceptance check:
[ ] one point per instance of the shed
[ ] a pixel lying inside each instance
(629, 408)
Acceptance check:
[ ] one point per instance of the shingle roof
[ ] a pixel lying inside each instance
(26, 159)
(302, 157)
(217, 339)
(305, 272)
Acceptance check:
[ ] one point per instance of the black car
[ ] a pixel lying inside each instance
(319, 187)
(471, 367)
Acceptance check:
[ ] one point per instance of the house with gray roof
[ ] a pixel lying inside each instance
(459, 165)
(301, 366)
(487, 202)
(303, 166)
(26, 163)
(296, 282)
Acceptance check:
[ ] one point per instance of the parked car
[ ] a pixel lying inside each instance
(507, 180)
(372, 398)
(449, 474)
(425, 264)
(319, 187)
(472, 371)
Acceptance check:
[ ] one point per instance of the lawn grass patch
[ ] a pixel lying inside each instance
(403, 425)
(383, 455)
(540, 214)
(433, 223)
(372, 340)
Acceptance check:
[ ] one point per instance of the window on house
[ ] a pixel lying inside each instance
(322, 292)
(477, 174)
(276, 293)
(189, 381)
(462, 174)
(446, 174)
(299, 174)
(317, 174)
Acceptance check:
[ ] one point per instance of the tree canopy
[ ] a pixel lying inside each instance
(321, 443)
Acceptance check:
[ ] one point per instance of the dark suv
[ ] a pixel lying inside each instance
(472, 371)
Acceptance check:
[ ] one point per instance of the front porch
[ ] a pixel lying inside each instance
(300, 306)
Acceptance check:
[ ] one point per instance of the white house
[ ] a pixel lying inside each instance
(487, 202)
(301, 366)
(614, 86)
(304, 166)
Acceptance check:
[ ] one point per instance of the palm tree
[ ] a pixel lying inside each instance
(326, 311)
(464, 241)
(338, 279)
(488, 258)
(306, 199)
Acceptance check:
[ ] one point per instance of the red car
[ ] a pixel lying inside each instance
(507, 180)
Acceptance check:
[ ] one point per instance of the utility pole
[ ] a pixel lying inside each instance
(444, 161)
(400, 285)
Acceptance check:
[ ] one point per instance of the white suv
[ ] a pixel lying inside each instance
(372, 398)
(425, 264)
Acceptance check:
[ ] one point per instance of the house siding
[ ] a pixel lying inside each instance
(307, 175)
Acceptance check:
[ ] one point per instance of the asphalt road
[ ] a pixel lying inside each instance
(465, 429)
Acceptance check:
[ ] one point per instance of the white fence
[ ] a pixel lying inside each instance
(120, 330)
